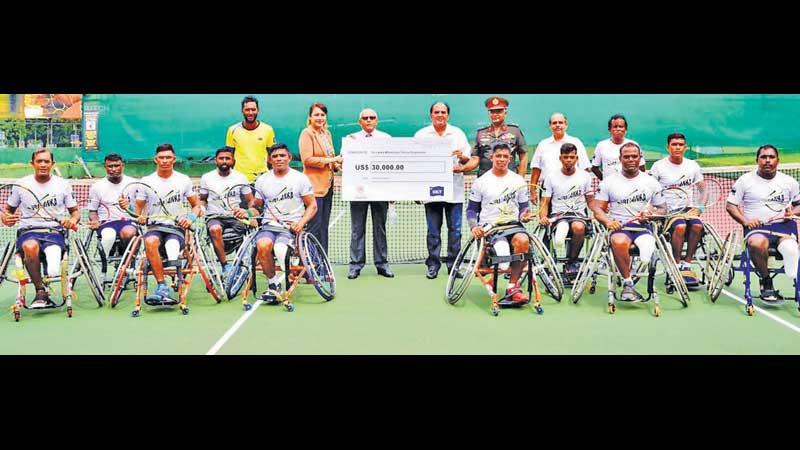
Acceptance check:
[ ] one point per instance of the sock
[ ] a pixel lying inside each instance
(628, 280)
(276, 280)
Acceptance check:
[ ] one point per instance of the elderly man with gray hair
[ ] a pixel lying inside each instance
(368, 120)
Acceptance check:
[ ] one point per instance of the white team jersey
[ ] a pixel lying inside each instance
(284, 195)
(606, 156)
(681, 175)
(217, 188)
(637, 193)
(173, 191)
(499, 196)
(55, 195)
(753, 192)
(567, 189)
(547, 155)
(108, 194)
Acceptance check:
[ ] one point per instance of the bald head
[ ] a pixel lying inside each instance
(368, 119)
(558, 125)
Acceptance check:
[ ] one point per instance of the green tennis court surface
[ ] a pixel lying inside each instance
(403, 315)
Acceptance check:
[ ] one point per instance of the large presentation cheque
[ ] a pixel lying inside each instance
(388, 169)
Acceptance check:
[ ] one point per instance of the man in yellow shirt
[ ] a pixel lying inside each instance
(250, 140)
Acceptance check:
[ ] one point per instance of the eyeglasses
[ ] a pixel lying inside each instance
(496, 111)
(369, 117)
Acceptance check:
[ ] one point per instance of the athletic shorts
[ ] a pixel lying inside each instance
(165, 232)
(116, 225)
(775, 231)
(44, 237)
(634, 229)
(278, 235)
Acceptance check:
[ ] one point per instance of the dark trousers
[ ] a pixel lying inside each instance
(358, 232)
(433, 215)
(319, 224)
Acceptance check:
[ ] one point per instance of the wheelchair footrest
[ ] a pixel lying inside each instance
(155, 300)
(508, 303)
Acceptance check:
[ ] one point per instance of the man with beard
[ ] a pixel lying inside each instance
(215, 195)
(111, 222)
(250, 139)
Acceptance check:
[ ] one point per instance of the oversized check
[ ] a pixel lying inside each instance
(386, 169)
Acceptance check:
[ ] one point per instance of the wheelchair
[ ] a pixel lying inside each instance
(477, 259)
(119, 259)
(66, 279)
(600, 261)
(305, 260)
(745, 266)
(710, 252)
(547, 235)
(193, 259)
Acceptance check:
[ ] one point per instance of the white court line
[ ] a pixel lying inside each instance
(229, 333)
(763, 311)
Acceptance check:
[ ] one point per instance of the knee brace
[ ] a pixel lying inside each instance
(502, 248)
(788, 249)
(280, 250)
(107, 238)
(647, 245)
(53, 256)
(560, 238)
(173, 248)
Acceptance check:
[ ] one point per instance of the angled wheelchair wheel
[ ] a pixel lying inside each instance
(722, 266)
(237, 278)
(121, 276)
(314, 259)
(588, 267)
(463, 270)
(5, 260)
(671, 269)
(546, 268)
(209, 271)
(88, 272)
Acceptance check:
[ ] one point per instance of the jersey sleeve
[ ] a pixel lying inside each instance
(522, 193)
(475, 193)
(69, 197)
(795, 193)
(587, 185)
(94, 198)
(655, 171)
(305, 186)
(14, 198)
(698, 173)
(187, 190)
(736, 195)
(203, 185)
(548, 187)
(602, 193)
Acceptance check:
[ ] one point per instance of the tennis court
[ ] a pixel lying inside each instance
(407, 314)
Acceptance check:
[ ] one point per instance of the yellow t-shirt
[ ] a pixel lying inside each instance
(251, 148)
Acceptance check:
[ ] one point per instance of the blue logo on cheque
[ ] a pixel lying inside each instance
(437, 191)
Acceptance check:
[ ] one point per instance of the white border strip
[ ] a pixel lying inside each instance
(763, 311)
(233, 329)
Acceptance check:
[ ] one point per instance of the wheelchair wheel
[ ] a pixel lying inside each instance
(127, 261)
(314, 259)
(209, 272)
(465, 264)
(547, 269)
(8, 252)
(722, 267)
(241, 268)
(588, 267)
(672, 270)
(86, 267)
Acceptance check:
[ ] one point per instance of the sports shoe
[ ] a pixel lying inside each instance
(516, 295)
(162, 290)
(226, 270)
(768, 293)
(41, 300)
(571, 269)
(269, 296)
(689, 277)
(629, 294)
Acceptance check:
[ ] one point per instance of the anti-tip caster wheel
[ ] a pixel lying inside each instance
(248, 306)
(495, 312)
(657, 311)
(16, 316)
(539, 309)
(185, 311)
(670, 289)
(69, 312)
(592, 288)
(750, 310)
(135, 313)
(289, 307)
(612, 308)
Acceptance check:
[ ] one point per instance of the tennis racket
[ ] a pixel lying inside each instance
(693, 199)
(165, 206)
(575, 202)
(227, 201)
(42, 208)
(274, 210)
(779, 200)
